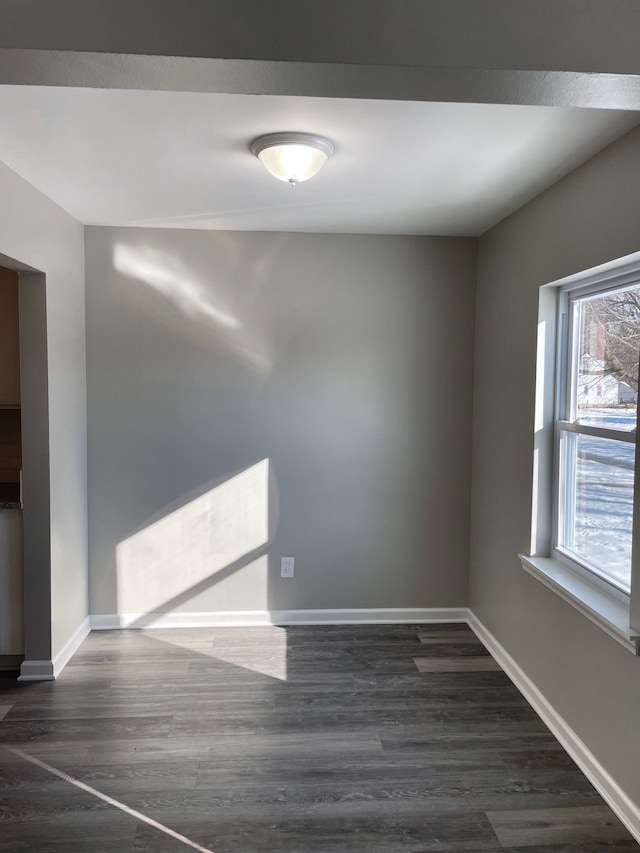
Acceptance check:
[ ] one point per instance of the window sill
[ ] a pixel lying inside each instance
(605, 611)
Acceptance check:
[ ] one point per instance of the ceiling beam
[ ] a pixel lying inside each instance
(580, 53)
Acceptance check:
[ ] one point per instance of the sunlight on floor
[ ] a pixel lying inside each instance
(260, 649)
(110, 800)
(191, 544)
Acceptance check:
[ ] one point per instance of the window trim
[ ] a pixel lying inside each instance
(606, 611)
(614, 611)
(566, 406)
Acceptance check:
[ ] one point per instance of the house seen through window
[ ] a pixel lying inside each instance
(596, 425)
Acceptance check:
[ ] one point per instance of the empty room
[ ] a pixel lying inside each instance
(319, 347)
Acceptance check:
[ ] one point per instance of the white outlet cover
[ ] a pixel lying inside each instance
(287, 566)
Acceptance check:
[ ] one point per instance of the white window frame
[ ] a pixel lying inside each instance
(613, 610)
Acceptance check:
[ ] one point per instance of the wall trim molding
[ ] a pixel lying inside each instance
(250, 618)
(71, 646)
(49, 670)
(373, 616)
(605, 784)
(36, 670)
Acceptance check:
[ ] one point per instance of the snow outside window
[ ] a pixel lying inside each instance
(599, 346)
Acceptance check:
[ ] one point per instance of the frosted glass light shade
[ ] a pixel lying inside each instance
(293, 157)
(292, 163)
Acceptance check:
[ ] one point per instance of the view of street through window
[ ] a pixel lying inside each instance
(598, 456)
(604, 495)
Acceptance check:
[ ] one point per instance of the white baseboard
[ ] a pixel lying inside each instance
(49, 670)
(608, 788)
(71, 646)
(115, 621)
(248, 618)
(36, 670)
(375, 616)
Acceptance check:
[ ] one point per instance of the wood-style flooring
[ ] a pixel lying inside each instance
(384, 739)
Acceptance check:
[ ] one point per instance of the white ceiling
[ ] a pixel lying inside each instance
(181, 160)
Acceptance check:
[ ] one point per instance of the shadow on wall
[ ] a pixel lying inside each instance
(223, 530)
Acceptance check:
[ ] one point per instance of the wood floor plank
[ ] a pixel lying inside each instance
(27, 731)
(156, 708)
(118, 778)
(339, 835)
(446, 635)
(309, 746)
(495, 680)
(455, 664)
(573, 825)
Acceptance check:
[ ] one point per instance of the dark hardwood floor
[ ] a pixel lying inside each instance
(384, 739)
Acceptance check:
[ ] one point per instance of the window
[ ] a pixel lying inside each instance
(598, 352)
(585, 528)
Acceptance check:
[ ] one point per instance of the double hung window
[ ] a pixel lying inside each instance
(597, 396)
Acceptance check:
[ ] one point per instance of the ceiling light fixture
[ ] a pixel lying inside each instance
(293, 157)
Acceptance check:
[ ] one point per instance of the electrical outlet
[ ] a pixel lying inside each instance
(287, 565)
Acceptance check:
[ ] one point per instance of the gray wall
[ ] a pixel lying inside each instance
(586, 219)
(343, 360)
(35, 233)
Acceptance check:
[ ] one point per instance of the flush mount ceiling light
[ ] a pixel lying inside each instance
(293, 157)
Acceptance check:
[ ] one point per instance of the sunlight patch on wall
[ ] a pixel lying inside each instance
(170, 276)
(161, 563)
(194, 298)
